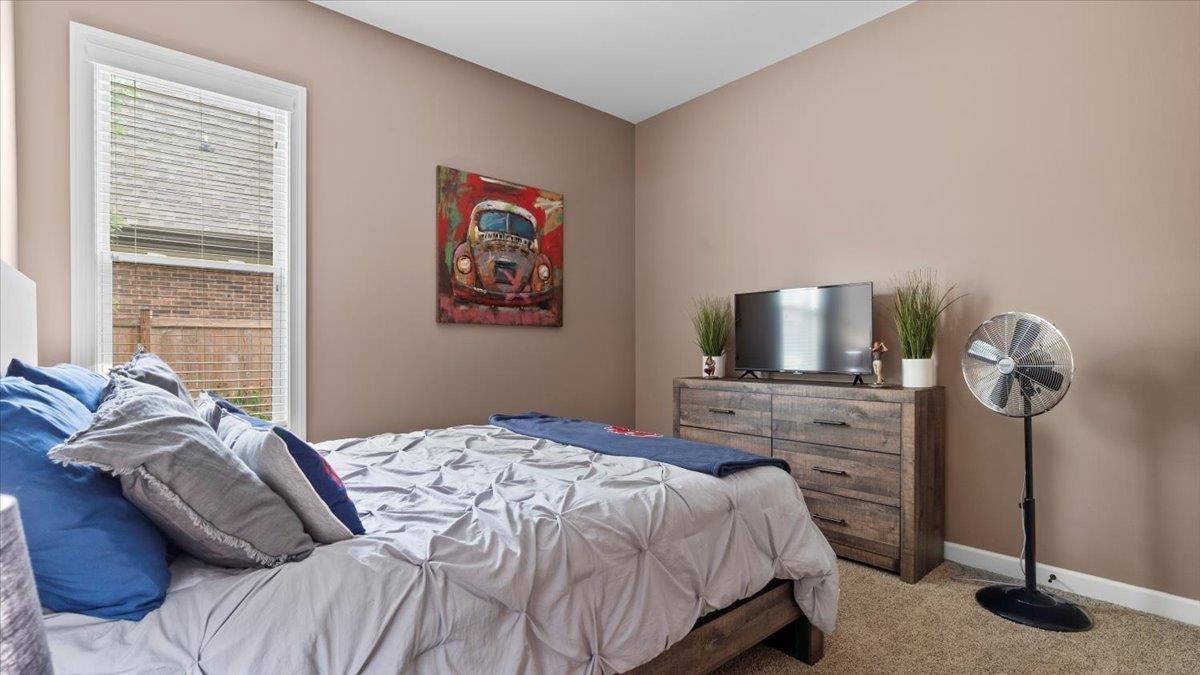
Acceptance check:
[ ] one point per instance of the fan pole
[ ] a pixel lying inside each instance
(1027, 510)
(1027, 604)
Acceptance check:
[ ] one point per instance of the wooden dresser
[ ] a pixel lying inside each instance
(870, 461)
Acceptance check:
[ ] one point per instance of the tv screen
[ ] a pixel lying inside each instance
(825, 329)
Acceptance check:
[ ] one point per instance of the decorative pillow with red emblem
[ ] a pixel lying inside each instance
(296, 472)
(323, 478)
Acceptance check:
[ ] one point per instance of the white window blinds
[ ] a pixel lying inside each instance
(191, 211)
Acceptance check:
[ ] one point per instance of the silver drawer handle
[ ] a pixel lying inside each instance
(721, 411)
(830, 423)
(835, 521)
(835, 472)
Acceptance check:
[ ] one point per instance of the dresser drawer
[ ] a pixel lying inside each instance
(856, 523)
(866, 425)
(759, 445)
(733, 411)
(872, 476)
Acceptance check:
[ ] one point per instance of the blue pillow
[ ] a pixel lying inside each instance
(324, 480)
(82, 384)
(93, 552)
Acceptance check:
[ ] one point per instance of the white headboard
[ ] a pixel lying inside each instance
(18, 317)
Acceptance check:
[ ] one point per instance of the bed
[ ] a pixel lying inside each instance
(490, 551)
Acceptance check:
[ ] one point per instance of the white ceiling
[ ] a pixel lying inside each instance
(631, 59)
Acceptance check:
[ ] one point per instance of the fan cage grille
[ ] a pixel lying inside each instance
(1039, 358)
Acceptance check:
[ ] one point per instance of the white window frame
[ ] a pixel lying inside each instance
(90, 46)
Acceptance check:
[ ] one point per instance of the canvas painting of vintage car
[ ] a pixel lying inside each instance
(499, 251)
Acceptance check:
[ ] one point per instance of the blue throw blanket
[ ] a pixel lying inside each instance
(716, 460)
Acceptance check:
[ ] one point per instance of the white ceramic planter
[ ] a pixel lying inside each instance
(918, 373)
(712, 366)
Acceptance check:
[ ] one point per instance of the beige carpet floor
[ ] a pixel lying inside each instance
(887, 626)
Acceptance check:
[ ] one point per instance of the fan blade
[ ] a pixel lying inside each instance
(1048, 378)
(984, 351)
(1039, 367)
(999, 395)
(1025, 332)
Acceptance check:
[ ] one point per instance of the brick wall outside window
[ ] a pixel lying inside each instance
(212, 326)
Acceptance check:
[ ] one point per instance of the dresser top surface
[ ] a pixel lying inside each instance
(860, 392)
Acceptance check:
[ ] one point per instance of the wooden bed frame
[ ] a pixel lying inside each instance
(771, 617)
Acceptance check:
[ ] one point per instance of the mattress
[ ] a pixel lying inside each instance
(486, 552)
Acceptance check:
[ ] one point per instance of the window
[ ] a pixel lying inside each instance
(188, 221)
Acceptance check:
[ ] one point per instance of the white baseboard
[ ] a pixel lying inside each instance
(1147, 600)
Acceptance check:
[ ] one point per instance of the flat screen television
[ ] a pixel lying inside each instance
(824, 329)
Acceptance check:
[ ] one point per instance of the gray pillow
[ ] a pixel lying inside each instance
(268, 456)
(147, 367)
(173, 467)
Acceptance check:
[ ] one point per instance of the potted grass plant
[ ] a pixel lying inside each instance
(712, 318)
(918, 310)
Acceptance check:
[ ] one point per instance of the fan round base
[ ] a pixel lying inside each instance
(1033, 608)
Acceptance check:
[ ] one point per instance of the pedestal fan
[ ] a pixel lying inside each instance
(1020, 365)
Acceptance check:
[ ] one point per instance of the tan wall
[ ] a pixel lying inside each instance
(383, 112)
(1045, 157)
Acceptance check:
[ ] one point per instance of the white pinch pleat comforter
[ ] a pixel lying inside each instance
(486, 552)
